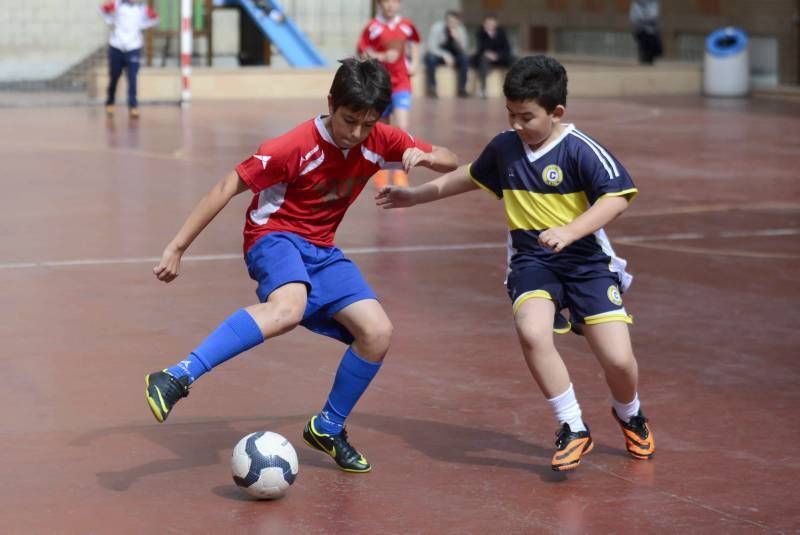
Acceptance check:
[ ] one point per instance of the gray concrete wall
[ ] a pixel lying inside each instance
(40, 39)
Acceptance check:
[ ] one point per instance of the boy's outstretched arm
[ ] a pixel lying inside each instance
(440, 159)
(601, 213)
(201, 215)
(447, 185)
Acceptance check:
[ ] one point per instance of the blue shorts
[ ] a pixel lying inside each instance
(401, 100)
(592, 297)
(332, 280)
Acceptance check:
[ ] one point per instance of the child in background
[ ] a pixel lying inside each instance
(384, 38)
(127, 19)
(559, 188)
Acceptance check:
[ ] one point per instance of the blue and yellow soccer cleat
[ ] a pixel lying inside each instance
(345, 455)
(163, 391)
(571, 446)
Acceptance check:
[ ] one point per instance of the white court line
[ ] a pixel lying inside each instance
(678, 236)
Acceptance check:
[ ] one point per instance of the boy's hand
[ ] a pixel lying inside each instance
(394, 197)
(413, 157)
(556, 238)
(167, 269)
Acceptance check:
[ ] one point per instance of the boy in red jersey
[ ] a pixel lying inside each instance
(384, 38)
(303, 182)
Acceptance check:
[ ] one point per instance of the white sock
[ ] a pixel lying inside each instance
(566, 409)
(626, 410)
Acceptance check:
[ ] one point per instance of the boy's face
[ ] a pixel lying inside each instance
(389, 8)
(531, 122)
(348, 127)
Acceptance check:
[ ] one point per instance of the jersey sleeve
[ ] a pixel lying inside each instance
(395, 142)
(601, 174)
(270, 165)
(486, 170)
(413, 33)
(364, 42)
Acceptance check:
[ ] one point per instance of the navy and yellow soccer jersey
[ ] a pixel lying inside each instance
(551, 187)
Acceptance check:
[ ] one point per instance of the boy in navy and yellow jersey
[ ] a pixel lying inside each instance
(302, 183)
(559, 188)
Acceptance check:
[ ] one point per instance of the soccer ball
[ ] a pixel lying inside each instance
(264, 464)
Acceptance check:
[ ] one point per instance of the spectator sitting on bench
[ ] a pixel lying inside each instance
(494, 50)
(447, 45)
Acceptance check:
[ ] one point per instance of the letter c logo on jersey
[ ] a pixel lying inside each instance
(613, 295)
(552, 175)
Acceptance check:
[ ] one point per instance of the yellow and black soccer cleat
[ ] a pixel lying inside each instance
(337, 446)
(570, 448)
(162, 391)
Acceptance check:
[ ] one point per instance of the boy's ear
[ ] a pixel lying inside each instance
(559, 112)
(330, 104)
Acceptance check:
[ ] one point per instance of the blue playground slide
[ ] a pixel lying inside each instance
(291, 42)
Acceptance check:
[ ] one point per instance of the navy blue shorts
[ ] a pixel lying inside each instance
(332, 280)
(593, 296)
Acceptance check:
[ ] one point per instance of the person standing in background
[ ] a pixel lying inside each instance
(644, 17)
(127, 19)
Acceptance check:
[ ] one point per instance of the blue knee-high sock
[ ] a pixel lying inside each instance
(352, 379)
(236, 334)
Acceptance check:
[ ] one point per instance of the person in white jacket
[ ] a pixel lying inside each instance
(127, 19)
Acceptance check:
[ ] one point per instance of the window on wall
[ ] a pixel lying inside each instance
(557, 5)
(492, 5)
(593, 5)
(595, 43)
(707, 7)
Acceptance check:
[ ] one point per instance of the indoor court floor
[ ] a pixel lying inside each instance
(458, 434)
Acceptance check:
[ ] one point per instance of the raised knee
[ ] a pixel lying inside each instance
(290, 314)
(376, 340)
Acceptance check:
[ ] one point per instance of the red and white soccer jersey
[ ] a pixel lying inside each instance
(304, 183)
(381, 35)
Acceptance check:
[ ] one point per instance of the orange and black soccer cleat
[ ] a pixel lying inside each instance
(638, 438)
(381, 178)
(398, 177)
(570, 448)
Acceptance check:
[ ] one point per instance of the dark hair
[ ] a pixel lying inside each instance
(538, 78)
(361, 85)
(452, 13)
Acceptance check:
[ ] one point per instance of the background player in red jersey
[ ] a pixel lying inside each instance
(303, 182)
(385, 38)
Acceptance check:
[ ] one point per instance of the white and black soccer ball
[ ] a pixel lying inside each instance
(264, 464)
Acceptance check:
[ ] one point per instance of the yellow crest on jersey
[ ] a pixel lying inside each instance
(552, 175)
(614, 296)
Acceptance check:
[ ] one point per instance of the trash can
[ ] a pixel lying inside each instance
(726, 70)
